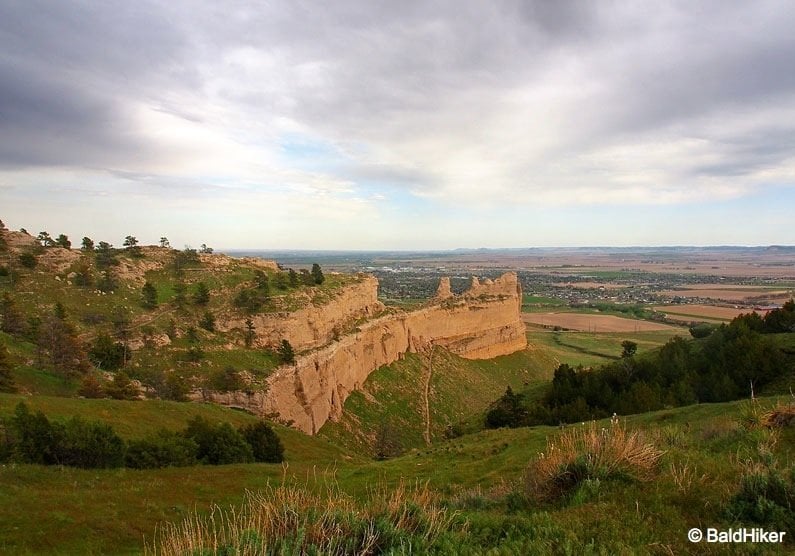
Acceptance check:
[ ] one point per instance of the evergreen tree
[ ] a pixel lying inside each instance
(107, 282)
(106, 354)
(63, 241)
(59, 310)
(105, 255)
(179, 294)
(45, 240)
(250, 333)
(286, 353)
(58, 341)
(87, 244)
(164, 242)
(202, 294)
(293, 275)
(149, 295)
(91, 387)
(265, 444)
(11, 320)
(208, 322)
(317, 274)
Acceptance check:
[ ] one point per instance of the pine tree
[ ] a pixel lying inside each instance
(63, 241)
(317, 274)
(251, 333)
(286, 353)
(149, 294)
(202, 294)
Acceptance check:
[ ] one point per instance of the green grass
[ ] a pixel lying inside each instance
(460, 388)
(59, 510)
(591, 348)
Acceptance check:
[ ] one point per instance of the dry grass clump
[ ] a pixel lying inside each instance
(590, 452)
(291, 520)
(783, 415)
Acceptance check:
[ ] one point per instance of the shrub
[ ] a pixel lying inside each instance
(765, 497)
(106, 354)
(77, 443)
(35, 437)
(163, 449)
(90, 387)
(218, 444)
(588, 452)
(122, 388)
(89, 444)
(28, 260)
(265, 444)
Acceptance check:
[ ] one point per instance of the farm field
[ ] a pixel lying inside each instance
(588, 322)
(590, 349)
(732, 292)
(704, 312)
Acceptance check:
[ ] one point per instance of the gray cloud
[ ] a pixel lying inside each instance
(516, 96)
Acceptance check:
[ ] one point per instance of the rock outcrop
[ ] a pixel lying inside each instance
(482, 323)
(315, 326)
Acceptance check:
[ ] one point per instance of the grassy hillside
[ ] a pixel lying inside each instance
(395, 395)
(707, 451)
(461, 390)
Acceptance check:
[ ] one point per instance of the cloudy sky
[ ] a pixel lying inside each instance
(399, 125)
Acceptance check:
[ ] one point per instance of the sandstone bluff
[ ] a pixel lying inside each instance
(481, 323)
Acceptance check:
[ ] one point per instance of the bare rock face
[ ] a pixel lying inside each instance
(444, 291)
(312, 327)
(482, 323)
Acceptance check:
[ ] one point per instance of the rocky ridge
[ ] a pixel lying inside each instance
(481, 323)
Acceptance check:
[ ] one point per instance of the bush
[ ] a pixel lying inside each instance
(218, 444)
(122, 388)
(588, 453)
(28, 260)
(77, 443)
(265, 444)
(90, 387)
(765, 497)
(106, 354)
(163, 449)
(89, 444)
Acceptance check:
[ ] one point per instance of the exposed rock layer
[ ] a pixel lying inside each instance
(312, 327)
(482, 323)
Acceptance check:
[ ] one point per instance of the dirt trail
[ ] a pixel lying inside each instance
(427, 373)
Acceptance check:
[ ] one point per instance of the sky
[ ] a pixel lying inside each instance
(399, 125)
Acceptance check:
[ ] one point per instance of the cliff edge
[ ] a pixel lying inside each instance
(481, 323)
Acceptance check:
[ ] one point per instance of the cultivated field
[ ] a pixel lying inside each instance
(587, 322)
(706, 312)
(733, 293)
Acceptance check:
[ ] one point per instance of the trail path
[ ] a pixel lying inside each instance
(426, 406)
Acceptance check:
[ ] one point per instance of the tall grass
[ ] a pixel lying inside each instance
(292, 520)
(589, 452)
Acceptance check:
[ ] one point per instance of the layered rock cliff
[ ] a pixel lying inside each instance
(315, 326)
(482, 323)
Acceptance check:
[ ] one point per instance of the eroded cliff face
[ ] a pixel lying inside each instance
(482, 323)
(312, 326)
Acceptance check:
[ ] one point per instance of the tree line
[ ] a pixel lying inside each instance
(29, 437)
(731, 362)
